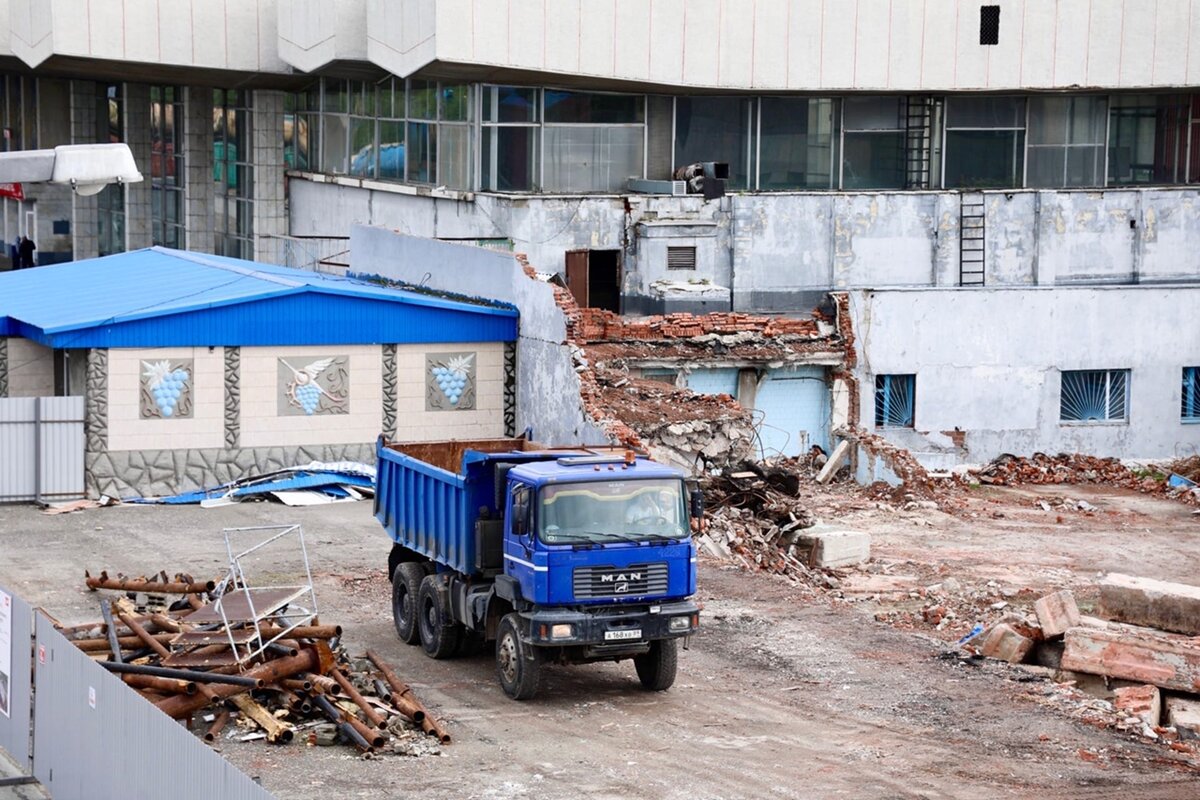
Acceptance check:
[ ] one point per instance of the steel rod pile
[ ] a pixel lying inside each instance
(270, 680)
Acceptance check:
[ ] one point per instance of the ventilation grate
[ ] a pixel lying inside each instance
(681, 258)
(989, 24)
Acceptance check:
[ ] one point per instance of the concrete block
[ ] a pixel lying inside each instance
(1157, 604)
(829, 547)
(1056, 613)
(1184, 715)
(1003, 642)
(1144, 702)
(1147, 656)
(836, 460)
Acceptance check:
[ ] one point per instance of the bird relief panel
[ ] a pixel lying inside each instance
(449, 381)
(311, 385)
(166, 389)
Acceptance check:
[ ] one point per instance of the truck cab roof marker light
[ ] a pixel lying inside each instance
(577, 461)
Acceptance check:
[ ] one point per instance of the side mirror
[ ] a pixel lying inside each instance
(696, 499)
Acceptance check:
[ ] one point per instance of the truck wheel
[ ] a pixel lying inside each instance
(518, 665)
(439, 632)
(406, 583)
(656, 669)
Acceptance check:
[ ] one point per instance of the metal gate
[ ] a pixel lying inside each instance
(795, 407)
(41, 448)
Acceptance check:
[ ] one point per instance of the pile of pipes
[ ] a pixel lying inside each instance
(283, 682)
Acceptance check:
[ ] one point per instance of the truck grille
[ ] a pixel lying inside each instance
(635, 579)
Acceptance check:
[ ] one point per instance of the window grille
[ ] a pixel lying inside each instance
(1095, 396)
(1189, 409)
(989, 24)
(895, 400)
(681, 258)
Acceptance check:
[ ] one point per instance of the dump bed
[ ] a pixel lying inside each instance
(429, 495)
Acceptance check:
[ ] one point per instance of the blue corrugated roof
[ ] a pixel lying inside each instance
(159, 298)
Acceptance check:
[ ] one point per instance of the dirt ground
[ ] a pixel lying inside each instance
(780, 695)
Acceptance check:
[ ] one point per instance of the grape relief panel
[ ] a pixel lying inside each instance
(449, 381)
(166, 389)
(309, 385)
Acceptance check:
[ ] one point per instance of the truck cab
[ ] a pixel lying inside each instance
(578, 556)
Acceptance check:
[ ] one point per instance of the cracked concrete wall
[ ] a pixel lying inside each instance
(988, 362)
(548, 387)
(782, 252)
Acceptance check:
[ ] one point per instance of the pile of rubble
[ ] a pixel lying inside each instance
(1076, 468)
(915, 478)
(191, 649)
(1142, 658)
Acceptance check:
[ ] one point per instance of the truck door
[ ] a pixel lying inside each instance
(520, 556)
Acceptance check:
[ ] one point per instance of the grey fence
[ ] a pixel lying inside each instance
(16, 675)
(41, 448)
(93, 736)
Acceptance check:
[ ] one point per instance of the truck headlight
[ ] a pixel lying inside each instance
(679, 624)
(562, 631)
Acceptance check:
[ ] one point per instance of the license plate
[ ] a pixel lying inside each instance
(612, 636)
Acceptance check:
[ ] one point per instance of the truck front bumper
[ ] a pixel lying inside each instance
(615, 627)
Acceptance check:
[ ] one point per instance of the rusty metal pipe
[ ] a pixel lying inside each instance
(296, 685)
(302, 631)
(339, 718)
(184, 674)
(406, 702)
(359, 700)
(157, 647)
(164, 685)
(325, 684)
(217, 726)
(102, 645)
(310, 659)
(143, 585)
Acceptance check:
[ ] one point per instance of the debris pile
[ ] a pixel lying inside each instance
(210, 653)
(1077, 468)
(914, 477)
(1142, 658)
(316, 483)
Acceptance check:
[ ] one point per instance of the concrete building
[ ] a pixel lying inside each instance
(1043, 147)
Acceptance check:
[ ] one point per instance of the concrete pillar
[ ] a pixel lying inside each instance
(138, 231)
(198, 191)
(270, 215)
(85, 231)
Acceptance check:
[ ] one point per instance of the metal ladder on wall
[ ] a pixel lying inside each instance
(971, 220)
(918, 141)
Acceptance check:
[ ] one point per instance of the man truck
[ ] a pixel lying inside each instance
(562, 556)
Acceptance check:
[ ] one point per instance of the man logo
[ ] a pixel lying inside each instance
(614, 577)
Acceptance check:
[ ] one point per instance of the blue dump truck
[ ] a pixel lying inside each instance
(562, 556)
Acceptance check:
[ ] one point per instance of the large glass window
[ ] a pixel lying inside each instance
(110, 129)
(873, 143)
(798, 140)
(391, 129)
(233, 174)
(985, 142)
(1147, 140)
(166, 167)
(300, 125)
(715, 129)
(509, 138)
(592, 142)
(1066, 141)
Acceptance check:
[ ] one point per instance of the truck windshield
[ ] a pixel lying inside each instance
(597, 512)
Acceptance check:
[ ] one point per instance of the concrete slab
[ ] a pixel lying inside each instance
(834, 547)
(1184, 715)
(1157, 604)
(1149, 656)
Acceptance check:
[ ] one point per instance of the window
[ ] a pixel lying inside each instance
(873, 143)
(1189, 407)
(895, 400)
(167, 227)
(797, 147)
(985, 142)
(989, 24)
(592, 142)
(390, 159)
(1147, 140)
(1095, 396)
(1066, 141)
(110, 203)
(301, 121)
(233, 175)
(509, 132)
(681, 258)
(715, 129)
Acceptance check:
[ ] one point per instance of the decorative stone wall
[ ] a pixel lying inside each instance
(233, 396)
(153, 473)
(95, 416)
(389, 391)
(3, 367)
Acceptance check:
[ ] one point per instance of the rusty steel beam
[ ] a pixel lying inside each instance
(144, 585)
(406, 702)
(217, 726)
(163, 685)
(359, 700)
(157, 647)
(277, 731)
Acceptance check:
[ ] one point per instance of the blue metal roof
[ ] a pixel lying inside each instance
(163, 298)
